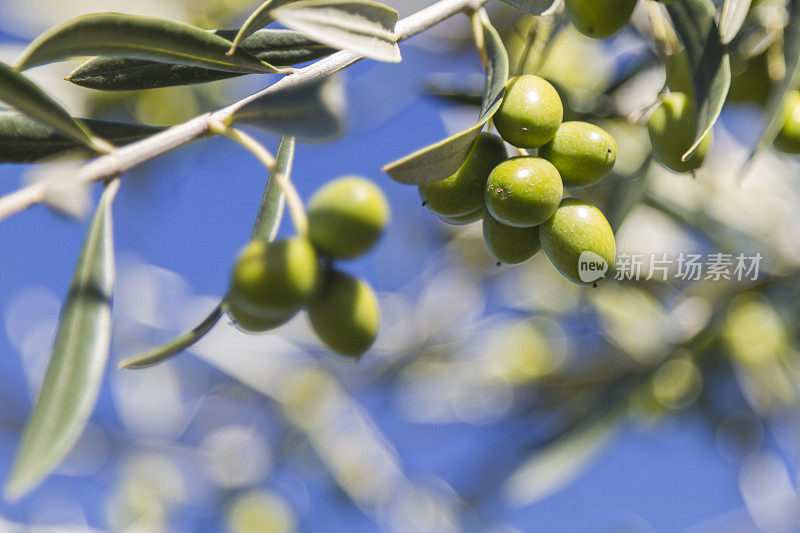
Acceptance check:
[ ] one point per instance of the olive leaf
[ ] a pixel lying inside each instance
(78, 360)
(456, 88)
(257, 20)
(553, 467)
(534, 7)
(21, 93)
(734, 12)
(774, 112)
(26, 140)
(310, 111)
(440, 160)
(361, 26)
(114, 34)
(696, 26)
(266, 226)
(280, 48)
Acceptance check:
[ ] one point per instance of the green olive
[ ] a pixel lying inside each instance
(583, 153)
(599, 18)
(750, 82)
(679, 73)
(346, 217)
(248, 319)
(463, 220)
(463, 192)
(579, 242)
(530, 113)
(788, 139)
(508, 244)
(344, 314)
(523, 191)
(672, 128)
(272, 281)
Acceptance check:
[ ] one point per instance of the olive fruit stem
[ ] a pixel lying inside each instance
(296, 209)
(477, 33)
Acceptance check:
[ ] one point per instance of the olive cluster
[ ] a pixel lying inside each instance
(273, 281)
(521, 199)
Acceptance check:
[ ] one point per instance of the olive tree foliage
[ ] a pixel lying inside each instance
(641, 375)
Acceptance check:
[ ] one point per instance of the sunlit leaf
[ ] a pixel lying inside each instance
(311, 111)
(176, 346)
(25, 140)
(257, 20)
(18, 91)
(280, 48)
(361, 26)
(555, 466)
(75, 370)
(442, 159)
(791, 53)
(114, 34)
(534, 7)
(734, 12)
(270, 211)
(696, 26)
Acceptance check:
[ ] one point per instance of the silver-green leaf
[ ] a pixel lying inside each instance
(440, 160)
(114, 34)
(270, 212)
(696, 26)
(534, 7)
(260, 18)
(361, 26)
(18, 91)
(78, 360)
(734, 12)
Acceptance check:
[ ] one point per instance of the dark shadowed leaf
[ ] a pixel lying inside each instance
(113, 34)
(26, 140)
(730, 21)
(280, 48)
(774, 113)
(553, 467)
(361, 26)
(260, 18)
(75, 370)
(442, 159)
(270, 211)
(176, 346)
(18, 91)
(696, 26)
(312, 111)
(534, 7)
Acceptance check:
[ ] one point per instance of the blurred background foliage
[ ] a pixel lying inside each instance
(489, 389)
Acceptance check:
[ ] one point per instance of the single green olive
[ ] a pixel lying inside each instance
(579, 242)
(788, 139)
(523, 191)
(346, 217)
(248, 318)
(750, 82)
(274, 280)
(672, 128)
(530, 113)
(344, 314)
(679, 73)
(583, 153)
(599, 18)
(463, 192)
(508, 244)
(463, 220)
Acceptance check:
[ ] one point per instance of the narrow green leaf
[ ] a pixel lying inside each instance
(361, 26)
(440, 160)
(312, 111)
(75, 371)
(534, 7)
(774, 112)
(696, 26)
(734, 12)
(18, 91)
(114, 34)
(260, 18)
(270, 211)
(176, 346)
(553, 467)
(26, 140)
(280, 48)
